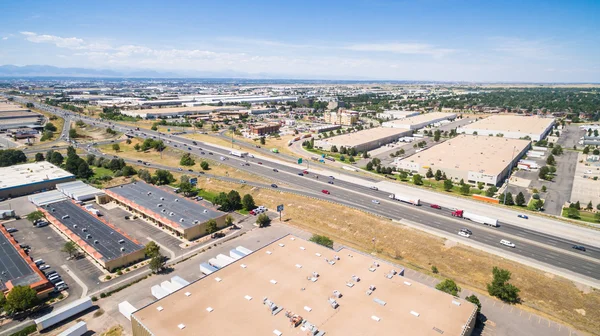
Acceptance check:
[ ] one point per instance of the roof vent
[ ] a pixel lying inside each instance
(181, 326)
(188, 294)
(273, 282)
(248, 297)
(159, 205)
(96, 241)
(376, 318)
(415, 313)
(160, 308)
(162, 198)
(88, 236)
(455, 302)
(176, 200)
(209, 309)
(84, 229)
(218, 279)
(205, 211)
(243, 266)
(75, 226)
(282, 245)
(122, 249)
(181, 220)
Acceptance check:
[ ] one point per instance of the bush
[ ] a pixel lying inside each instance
(102, 295)
(25, 331)
(94, 298)
(119, 272)
(322, 240)
(448, 286)
(434, 270)
(108, 277)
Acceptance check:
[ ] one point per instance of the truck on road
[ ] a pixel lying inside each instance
(238, 153)
(406, 199)
(475, 218)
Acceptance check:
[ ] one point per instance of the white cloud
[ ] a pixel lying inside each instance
(5, 38)
(402, 48)
(62, 42)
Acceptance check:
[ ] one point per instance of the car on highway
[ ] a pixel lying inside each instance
(374, 188)
(275, 170)
(259, 162)
(180, 169)
(325, 191)
(202, 153)
(242, 164)
(331, 177)
(375, 201)
(195, 143)
(464, 234)
(435, 206)
(242, 181)
(467, 231)
(305, 172)
(301, 174)
(522, 216)
(191, 170)
(579, 247)
(507, 243)
(210, 153)
(274, 185)
(330, 182)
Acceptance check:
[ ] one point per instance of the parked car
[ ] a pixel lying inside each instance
(579, 247)
(325, 191)
(330, 182)
(305, 172)
(435, 206)
(274, 185)
(242, 181)
(300, 174)
(375, 201)
(331, 177)
(275, 170)
(522, 216)
(11, 230)
(259, 162)
(217, 235)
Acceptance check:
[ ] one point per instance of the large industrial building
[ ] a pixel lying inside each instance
(364, 140)
(183, 217)
(173, 112)
(29, 178)
(13, 116)
(419, 121)
(17, 268)
(472, 158)
(397, 114)
(295, 287)
(510, 126)
(106, 244)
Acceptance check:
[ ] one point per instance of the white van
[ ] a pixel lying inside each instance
(60, 283)
(507, 243)
(54, 277)
(38, 262)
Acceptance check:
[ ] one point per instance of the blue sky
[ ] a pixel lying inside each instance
(535, 40)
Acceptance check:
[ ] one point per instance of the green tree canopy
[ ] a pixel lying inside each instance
(448, 286)
(500, 288)
(248, 202)
(322, 240)
(19, 299)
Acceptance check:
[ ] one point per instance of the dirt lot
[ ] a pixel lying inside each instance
(93, 133)
(547, 294)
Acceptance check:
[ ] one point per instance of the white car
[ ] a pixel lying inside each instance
(375, 201)
(464, 234)
(374, 188)
(507, 243)
(43, 267)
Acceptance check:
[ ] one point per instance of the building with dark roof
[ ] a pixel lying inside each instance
(17, 268)
(185, 218)
(108, 245)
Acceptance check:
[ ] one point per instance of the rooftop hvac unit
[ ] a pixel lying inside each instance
(337, 294)
(196, 221)
(88, 236)
(163, 211)
(162, 198)
(333, 303)
(96, 241)
(121, 241)
(159, 205)
(122, 249)
(149, 193)
(181, 220)
(171, 213)
(205, 211)
(75, 226)
(176, 200)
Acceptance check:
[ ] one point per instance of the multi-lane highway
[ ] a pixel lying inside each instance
(556, 252)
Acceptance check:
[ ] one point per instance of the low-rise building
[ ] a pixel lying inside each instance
(364, 140)
(341, 117)
(510, 126)
(174, 112)
(396, 114)
(419, 121)
(470, 158)
(24, 179)
(264, 129)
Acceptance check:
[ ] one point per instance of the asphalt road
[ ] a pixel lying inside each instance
(551, 250)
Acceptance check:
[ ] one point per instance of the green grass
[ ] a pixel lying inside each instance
(336, 156)
(207, 195)
(101, 171)
(243, 211)
(25, 331)
(583, 216)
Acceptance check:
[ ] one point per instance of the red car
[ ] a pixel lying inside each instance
(305, 172)
(325, 191)
(435, 206)
(259, 162)
(252, 212)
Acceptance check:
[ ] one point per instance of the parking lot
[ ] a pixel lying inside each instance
(585, 188)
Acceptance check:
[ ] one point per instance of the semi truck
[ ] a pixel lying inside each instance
(406, 199)
(475, 218)
(238, 153)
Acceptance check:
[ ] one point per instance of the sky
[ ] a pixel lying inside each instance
(433, 40)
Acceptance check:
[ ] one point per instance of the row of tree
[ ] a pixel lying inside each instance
(9, 157)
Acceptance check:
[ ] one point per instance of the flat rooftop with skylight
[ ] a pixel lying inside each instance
(510, 126)
(295, 287)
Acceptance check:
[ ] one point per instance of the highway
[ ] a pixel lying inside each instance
(553, 251)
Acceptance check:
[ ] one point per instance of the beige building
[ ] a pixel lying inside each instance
(510, 126)
(419, 121)
(296, 287)
(341, 117)
(24, 179)
(472, 158)
(364, 140)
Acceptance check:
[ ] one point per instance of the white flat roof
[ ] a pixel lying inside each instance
(364, 136)
(511, 123)
(30, 173)
(423, 118)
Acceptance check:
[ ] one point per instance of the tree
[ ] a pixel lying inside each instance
(448, 185)
(73, 133)
(369, 166)
(438, 175)
(465, 189)
(154, 127)
(480, 185)
(69, 248)
(185, 186)
(263, 140)
(544, 188)
(322, 240)
(550, 160)
(20, 298)
(596, 151)
(9, 157)
(187, 160)
(589, 206)
(448, 286)
(204, 165)
(342, 158)
(365, 155)
(417, 179)
(234, 199)
(557, 150)
(597, 216)
(163, 177)
(152, 249)
(84, 171)
(157, 263)
(586, 150)
(144, 174)
(263, 220)
(211, 226)
(35, 216)
(128, 171)
(137, 147)
(128, 141)
(228, 220)
(520, 200)
(50, 127)
(248, 202)
(436, 135)
(543, 173)
(474, 300)
(507, 199)
(116, 147)
(500, 288)
(573, 213)
(351, 159)
(334, 149)
(39, 157)
(403, 175)
(429, 173)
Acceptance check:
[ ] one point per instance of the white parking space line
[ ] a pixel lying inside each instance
(81, 283)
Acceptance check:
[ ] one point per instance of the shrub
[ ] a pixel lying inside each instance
(102, 295)
(94, 298)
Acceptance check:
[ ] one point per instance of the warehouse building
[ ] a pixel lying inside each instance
(106, 244)
(396, 114)
(471, 158)
(78, 190)
(183, 217)
(510, 126)
(18, 269)
(419, 121)
(264, 128)
(174, 112)
(24, 179)
(364, 140)
(14, 117)
(295, 287)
